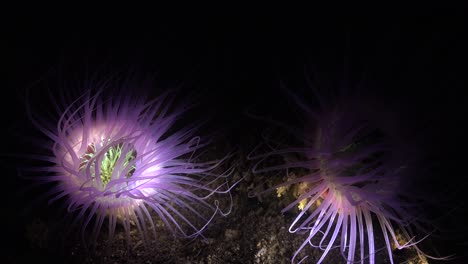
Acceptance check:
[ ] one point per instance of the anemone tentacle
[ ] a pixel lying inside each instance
(118, 157)
(354, 173)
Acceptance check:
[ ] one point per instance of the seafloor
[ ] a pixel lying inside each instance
(254, 232)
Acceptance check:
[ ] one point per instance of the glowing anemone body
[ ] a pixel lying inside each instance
(114, 161)
(353, 184)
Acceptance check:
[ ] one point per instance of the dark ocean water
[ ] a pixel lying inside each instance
(233, 65)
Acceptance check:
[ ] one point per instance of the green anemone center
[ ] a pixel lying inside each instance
(108, 162)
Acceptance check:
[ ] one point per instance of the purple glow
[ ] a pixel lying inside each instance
(355, 175)
(114, 160)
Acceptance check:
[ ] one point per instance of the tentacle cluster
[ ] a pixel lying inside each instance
(354, 178)
(115, 159)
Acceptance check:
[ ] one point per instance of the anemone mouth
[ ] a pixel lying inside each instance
(112, 162)
(116, 157)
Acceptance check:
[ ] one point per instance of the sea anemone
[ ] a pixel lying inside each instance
(355, 172)
(116, 157)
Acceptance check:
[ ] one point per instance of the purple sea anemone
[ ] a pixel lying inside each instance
(119, 158)
(354, 174)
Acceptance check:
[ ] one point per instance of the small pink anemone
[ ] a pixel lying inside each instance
(355, 176)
